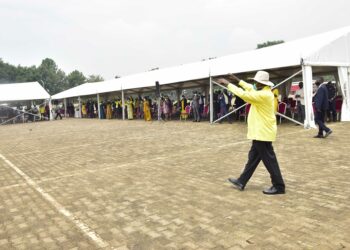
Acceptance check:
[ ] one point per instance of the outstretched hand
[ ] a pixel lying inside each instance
(223, 82)
(235, 78)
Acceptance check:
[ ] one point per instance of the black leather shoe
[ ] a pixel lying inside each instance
(236, 183)
(318, 136)
(328, 133)
(273, 190)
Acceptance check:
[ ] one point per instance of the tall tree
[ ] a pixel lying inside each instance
(95, 78)
(75, 78)
(52, 78)
(268, 43)
(7, 72)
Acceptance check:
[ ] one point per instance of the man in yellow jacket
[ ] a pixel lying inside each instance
(262, 130)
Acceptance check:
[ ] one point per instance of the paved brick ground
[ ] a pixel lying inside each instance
(137, 185)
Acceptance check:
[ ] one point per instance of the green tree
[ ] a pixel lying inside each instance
(7, 72)
(268, 43)
(27, 74)
(75, 78)
(52, 78)
(95, 78)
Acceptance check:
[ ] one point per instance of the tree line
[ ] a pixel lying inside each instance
(53, 79)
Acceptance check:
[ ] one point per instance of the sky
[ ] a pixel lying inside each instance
(123, 37)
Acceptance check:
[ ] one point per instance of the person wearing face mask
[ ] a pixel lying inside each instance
(262, 130)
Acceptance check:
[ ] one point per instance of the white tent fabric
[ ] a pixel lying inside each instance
(315, 50)
(22, 92)
(331, 49)
(344, 79)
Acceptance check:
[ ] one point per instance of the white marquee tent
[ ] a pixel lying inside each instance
(22, 92)
(331, 49)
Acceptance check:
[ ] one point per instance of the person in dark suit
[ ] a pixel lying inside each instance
(332, 92)
(321, 106)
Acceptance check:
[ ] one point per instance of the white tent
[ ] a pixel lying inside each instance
(22, 92)
(331, 49)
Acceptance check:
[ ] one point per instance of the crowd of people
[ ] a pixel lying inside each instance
(135, 108)
(195, 107)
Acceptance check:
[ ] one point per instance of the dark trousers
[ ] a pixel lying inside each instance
(319, 119)
(301, 112)
(58, 115)
(263, 151)
(332, 110)
(196, 116)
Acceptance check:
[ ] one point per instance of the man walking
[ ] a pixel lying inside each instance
(321, 106)
(332, 93)
(262, 130)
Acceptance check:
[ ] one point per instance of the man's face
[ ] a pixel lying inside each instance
(259, 86)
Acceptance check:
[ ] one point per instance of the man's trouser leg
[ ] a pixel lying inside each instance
(269, 159)
(319, 119)
(196, 114)
(302, 113)
(253, 161)
(334, 111)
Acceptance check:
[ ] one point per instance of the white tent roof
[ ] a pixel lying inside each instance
(328, 49)
(22, 92)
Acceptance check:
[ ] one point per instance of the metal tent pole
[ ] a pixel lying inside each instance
(211, 108)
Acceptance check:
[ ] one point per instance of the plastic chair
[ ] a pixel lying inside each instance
(282, 108)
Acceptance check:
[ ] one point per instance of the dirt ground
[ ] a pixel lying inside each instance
(90, 184)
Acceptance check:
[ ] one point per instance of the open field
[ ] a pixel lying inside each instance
(90, 184)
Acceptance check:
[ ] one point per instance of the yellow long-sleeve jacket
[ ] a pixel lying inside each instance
(261, 118)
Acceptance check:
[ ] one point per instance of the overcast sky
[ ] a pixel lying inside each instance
(121, 37)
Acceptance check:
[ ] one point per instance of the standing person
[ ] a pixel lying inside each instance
(109, 110)
(130, 108)
(171, 107)
(146, 110)
(321, 106)
(42, 112)
(332, 93)
(223, 102)
(262, 129)
(102, 111)
(47, 111)
(183, 104)
(299, 95)
(84, 110)
(195, 108)
(166, 108)
(201, 104)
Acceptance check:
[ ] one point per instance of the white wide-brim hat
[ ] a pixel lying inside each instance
(263, 77)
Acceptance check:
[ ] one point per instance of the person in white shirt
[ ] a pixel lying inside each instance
(299, 95)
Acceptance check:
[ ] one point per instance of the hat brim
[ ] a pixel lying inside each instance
(267, 83)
